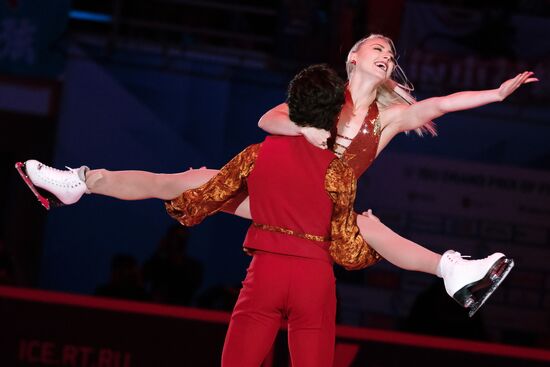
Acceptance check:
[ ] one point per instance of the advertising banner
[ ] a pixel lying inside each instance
(30, 36)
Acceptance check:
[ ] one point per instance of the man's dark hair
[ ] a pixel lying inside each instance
(315, 97)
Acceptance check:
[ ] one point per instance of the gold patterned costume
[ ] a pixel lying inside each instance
(347, 247)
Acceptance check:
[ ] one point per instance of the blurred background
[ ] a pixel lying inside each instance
(164, 85)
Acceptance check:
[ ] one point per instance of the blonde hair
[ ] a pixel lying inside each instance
(391, 92)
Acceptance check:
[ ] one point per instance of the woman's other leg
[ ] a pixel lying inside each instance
(137, 185)
(398, 250)
(469, 282)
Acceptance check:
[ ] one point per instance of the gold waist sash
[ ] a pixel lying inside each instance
(307, 236)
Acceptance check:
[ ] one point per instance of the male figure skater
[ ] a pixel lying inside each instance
(301, 201)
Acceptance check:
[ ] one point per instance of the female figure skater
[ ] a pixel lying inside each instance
(377, 108)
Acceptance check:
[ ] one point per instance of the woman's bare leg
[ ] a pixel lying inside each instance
(137, 185)
(399, 251)
(460, 276)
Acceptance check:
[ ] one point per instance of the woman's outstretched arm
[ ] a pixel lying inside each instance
(406, 117)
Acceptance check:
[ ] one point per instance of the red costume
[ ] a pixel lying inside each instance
(301, 202)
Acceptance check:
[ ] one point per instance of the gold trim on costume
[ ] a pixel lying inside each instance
(307, 236)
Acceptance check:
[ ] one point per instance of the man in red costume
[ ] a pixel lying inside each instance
(301, 201)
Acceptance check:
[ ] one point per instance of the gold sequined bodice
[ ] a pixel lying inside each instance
(361, 151)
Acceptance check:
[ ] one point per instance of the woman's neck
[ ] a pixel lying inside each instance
(362, 92)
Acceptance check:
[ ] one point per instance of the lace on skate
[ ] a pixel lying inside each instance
(457, 254)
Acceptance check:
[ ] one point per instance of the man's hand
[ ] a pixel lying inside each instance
(369, 215)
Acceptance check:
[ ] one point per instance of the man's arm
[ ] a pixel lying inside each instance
(192, 206)
(347, 247)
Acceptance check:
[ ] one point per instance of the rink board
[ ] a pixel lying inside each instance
(42, 328)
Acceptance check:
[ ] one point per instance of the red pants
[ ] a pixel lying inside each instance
(281, 287)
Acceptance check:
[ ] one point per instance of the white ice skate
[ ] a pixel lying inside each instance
(471, 282)
(65, 186)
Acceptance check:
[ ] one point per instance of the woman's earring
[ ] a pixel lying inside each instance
(353, 62)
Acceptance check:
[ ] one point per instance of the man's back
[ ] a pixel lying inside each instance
(290, 207)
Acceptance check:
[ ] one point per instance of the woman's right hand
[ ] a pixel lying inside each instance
(317, 137)
(510, 86)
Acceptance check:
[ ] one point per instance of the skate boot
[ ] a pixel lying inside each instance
(61, 187)
(471, 282)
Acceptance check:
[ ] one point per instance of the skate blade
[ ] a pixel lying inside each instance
(499, 275)
(46, 201)
(472, 293)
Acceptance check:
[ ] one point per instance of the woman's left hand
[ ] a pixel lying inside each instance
(317, 137)
(509, 86)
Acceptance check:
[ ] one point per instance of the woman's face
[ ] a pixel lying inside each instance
(374, 57)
